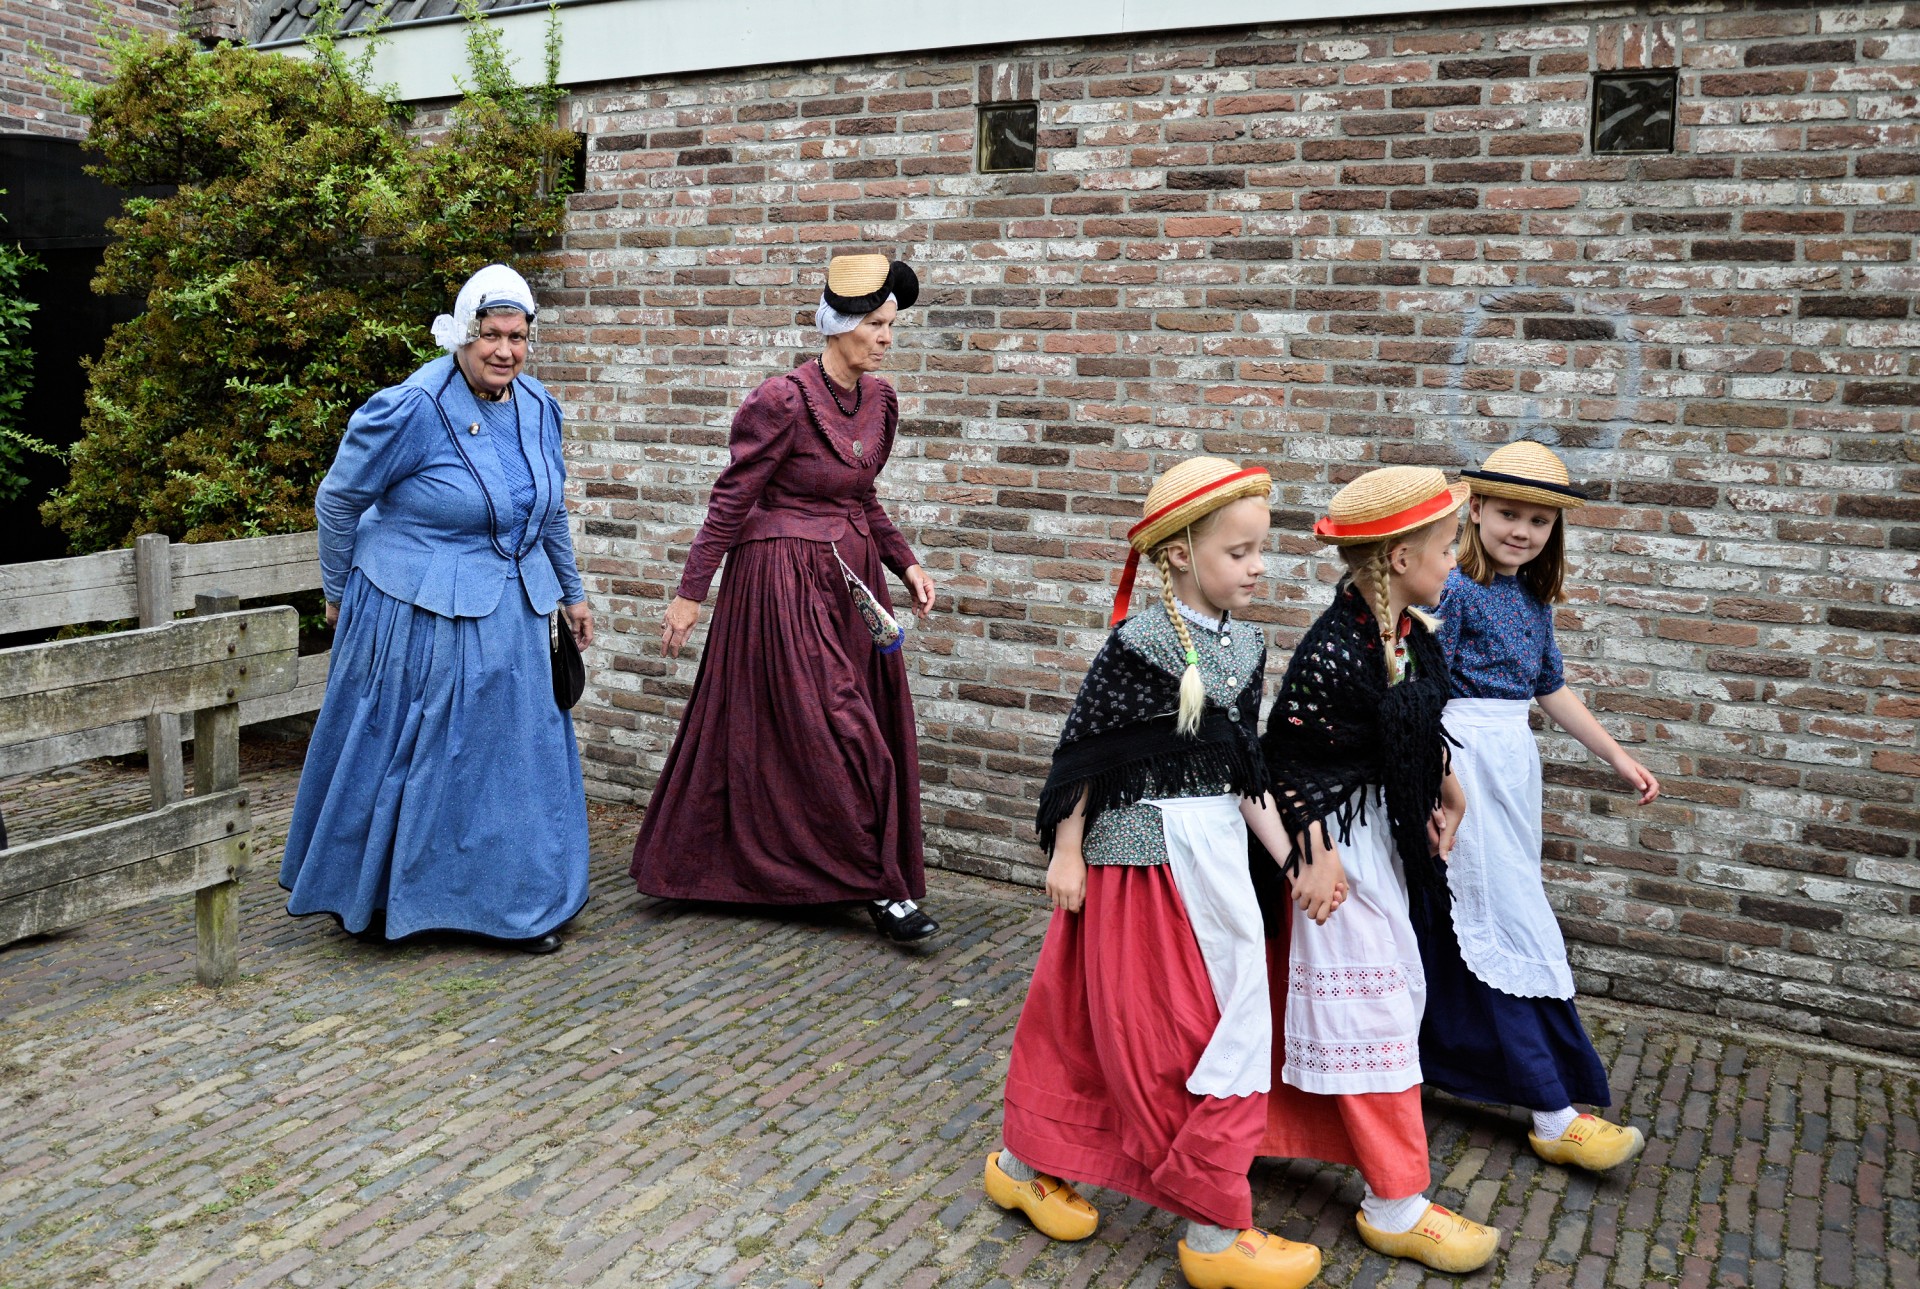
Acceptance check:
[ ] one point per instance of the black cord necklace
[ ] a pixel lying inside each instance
(833, 391)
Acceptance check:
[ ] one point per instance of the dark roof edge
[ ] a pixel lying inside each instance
(356, 33)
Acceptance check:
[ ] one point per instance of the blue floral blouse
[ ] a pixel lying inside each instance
(1498, 640)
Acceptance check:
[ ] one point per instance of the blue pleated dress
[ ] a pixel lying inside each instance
(442, 785)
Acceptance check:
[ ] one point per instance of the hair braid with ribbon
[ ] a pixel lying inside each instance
(1193, 690)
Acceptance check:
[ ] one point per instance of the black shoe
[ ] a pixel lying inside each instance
(539, 944)
(376, 929)
(908, 924)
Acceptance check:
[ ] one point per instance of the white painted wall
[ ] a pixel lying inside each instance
(623, 39)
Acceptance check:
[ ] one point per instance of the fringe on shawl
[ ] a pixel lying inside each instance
(1144, 762)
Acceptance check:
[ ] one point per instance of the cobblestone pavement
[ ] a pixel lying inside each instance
(702, 1097)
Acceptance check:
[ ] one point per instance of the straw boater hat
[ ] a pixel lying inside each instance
(1386, 502)
(1177, 499)
(1526, 471)
(859, 284)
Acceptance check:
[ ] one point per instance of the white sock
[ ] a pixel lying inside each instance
(1014, 1169)
(1548, 1125)
(899, 908)
(1202, 1238)
(1393, 1215)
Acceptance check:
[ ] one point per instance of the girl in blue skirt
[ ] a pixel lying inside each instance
(1500, 1023)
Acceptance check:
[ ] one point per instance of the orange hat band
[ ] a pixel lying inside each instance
(1388, 525)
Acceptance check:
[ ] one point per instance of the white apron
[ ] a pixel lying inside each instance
(1207, 854)
(1355, 988)
(1508, 935)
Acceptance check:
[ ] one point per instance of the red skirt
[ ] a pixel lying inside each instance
(1118, 1013)
(795, 775)
(1383, 1134)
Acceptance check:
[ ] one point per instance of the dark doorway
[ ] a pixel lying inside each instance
(56, 210)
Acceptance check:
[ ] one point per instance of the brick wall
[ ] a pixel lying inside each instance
(66, 31)
(1325, 248)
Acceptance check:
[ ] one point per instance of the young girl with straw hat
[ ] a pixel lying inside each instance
(1497, 968)
(1359, 769)
(1142, 1058)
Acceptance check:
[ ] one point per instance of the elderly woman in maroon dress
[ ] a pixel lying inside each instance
(795, 776)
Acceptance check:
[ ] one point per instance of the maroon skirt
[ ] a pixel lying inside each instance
(795, 775)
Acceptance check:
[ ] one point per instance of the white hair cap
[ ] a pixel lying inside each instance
(495, 286)
(829, 321)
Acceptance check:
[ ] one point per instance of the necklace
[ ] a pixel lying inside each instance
(833, 391)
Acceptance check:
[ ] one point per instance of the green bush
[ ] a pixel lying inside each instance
(312, 238)
(16, 368)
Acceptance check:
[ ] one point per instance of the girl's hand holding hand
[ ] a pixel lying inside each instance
(1321, 886)
(1637, 777)
(1067, 880)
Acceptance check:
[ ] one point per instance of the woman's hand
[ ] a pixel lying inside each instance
(921, 588)
(579, 619)
(1321, 886)
(1067, 879)
(677, 624)
(1637, 778)
(333, 614)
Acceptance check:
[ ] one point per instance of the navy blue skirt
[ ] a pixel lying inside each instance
(1483, 1045)
(442, 786)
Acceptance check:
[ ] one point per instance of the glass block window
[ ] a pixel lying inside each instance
(1009, 137)
(1634, 111)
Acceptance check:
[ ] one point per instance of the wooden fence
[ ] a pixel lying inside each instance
(212, 666)
(150, 583)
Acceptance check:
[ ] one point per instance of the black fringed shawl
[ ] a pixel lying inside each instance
(1338, 726)
(1119, 745)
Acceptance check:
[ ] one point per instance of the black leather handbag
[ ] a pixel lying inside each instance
(569, 672)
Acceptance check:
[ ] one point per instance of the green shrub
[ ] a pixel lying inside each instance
(311, 240)
(16, 368)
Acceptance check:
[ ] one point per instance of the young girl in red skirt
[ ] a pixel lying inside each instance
(1359, 768)
(1502, 1025)
(1142, 1059)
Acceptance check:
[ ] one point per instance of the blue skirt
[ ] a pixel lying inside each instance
(1483, 1045)
(441, 785)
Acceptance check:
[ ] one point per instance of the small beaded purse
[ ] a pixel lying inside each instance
(888, 635)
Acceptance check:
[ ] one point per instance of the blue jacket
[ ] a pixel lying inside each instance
(414, 501)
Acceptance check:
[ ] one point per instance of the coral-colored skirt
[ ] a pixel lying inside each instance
(1119, 1013)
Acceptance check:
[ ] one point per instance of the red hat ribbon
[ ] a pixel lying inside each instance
(1123, 601)
(1418, 513)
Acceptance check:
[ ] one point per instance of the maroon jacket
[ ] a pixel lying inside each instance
(796, 472)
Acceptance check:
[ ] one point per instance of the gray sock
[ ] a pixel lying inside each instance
(1202, 1238)
(1013, 1168)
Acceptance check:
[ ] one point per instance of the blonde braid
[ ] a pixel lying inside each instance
(1193, 690)
(1369, 563)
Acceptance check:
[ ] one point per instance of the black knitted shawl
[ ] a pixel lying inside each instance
(1337, 726)
(1119, 745)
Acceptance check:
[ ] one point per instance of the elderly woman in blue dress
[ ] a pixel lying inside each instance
(442, 787)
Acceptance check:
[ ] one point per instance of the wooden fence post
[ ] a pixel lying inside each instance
(153, 593)
(216, 767)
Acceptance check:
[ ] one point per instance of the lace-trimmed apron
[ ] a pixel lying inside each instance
(1355, 987)
(1508, 934)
